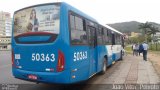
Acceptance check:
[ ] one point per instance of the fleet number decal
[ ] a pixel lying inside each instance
(43, 57)
(17, 56)
(80, 56)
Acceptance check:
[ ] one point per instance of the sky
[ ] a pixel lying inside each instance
(104, 11)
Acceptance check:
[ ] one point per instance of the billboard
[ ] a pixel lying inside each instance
(37, 19)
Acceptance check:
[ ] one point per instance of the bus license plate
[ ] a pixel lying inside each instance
(33, 77)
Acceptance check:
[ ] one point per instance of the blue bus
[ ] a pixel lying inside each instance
(57, 43)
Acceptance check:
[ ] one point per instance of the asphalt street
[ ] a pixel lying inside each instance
(6, 69)
(132, 70)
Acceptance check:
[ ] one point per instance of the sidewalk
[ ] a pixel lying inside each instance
(132, 70)
(154, 57)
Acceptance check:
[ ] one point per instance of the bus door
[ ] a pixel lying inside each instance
(92, 51)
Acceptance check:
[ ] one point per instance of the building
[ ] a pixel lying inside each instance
(134, 34)
(156, 37)
(5, 30)
(5, 24)
(5, 43)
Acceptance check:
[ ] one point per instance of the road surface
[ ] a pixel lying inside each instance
(132, 70)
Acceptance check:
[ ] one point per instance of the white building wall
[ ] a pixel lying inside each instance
(5, 31)
(8, 27)
(5, 24)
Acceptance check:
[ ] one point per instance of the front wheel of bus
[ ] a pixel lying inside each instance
(104, 67)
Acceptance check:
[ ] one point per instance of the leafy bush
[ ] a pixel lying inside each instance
(154, 47)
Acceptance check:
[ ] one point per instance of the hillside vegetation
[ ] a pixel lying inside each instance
(132, 26)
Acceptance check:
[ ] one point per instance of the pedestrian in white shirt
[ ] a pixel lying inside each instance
(145, 49)
(134, 49)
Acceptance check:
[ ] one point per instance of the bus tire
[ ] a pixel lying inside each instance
(104, 67)
(121, 56)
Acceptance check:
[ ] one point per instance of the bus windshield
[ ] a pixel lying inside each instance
(44, 19)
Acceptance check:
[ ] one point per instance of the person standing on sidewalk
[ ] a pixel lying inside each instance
(145, 49)
(140, 49)
(134, 49)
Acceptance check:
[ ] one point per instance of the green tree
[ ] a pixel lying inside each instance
(145, 27)
(153, 30)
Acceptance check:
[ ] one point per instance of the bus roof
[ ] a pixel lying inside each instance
(79, 12)
(114, 30)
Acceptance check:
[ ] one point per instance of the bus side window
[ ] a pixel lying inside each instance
(109, 34)
(102, 33)
(106, 37)
(78, 32)
(118, 39)
(122, 40)
(91, 35)
(113, 38)
(100, 36)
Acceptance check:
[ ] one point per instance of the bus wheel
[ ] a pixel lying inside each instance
(104, 67)
(121, 57)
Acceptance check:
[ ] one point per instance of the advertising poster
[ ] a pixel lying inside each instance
(37, 19)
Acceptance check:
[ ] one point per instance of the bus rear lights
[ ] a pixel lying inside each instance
(19, 67)
(49, 69)
(12, 57)
(73, 76)
(61, 61)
